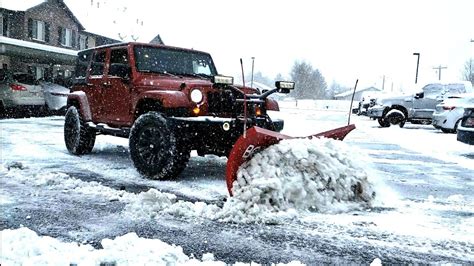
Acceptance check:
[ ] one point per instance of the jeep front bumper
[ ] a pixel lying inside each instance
(215, 135)
(226, 124)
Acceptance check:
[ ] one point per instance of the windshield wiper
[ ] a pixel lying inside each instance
(197, 75)
(158, 72)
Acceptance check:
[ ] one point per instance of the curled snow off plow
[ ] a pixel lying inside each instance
(257, 139)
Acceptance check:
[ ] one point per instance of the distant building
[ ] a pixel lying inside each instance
(157, 40)
(43, 39)
(347, 95)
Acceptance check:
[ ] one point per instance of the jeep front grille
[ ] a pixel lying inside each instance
(224, 101)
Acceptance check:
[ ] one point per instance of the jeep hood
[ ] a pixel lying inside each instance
(176, 83)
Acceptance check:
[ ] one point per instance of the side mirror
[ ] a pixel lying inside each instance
(120, 70)
(284, 86)
(419, 95)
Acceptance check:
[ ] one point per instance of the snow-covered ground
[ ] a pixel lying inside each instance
(423, 209)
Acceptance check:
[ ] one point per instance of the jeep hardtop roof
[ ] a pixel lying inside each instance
(123, 44)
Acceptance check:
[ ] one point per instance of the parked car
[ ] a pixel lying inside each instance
(466, 127)
(55, 97)
(20, 91)
(448, 114)
(417, 108)
(367, 100)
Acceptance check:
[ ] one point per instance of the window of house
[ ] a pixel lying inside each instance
(39, 30)
(1, 25)
(82, 42)
(39, 72)
(67, 37)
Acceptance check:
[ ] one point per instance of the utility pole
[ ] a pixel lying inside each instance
(470, 65)
(417, 65)
(439, 70)
(253, 62)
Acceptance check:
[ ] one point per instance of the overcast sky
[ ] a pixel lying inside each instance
(344, 39)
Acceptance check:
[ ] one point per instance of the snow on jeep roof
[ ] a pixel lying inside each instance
(141, 44)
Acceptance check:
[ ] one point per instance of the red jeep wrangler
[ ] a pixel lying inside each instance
(166, 100)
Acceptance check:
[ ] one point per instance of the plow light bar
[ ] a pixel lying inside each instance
(284, 86)
(223, 80)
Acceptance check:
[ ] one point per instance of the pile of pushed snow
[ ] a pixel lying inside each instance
(279, 183)
(24, 247)
(300, 175)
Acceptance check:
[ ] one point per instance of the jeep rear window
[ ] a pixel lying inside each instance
(82, 63)
(178, 62)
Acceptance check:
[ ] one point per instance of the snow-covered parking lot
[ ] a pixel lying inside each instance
(97, 208)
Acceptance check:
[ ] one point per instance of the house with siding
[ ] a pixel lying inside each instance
(43, 39)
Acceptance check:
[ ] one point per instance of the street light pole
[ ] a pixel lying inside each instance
(417, 65)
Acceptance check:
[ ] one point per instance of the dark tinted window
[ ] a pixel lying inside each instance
(180, 62)
(82, 63)
(97, 66)
(24, 78)
(119, 56)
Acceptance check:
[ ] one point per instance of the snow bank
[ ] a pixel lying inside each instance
(279, 183)
(24, 247)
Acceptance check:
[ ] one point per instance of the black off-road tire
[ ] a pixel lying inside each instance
(154, 148)
(181, 159)
(383, 122)
(79, 138)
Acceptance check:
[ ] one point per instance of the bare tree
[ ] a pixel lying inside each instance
(309, 83)
(468, 71)
(335, 89)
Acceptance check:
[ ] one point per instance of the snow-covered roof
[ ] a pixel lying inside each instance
(349, 92)
(37, 46)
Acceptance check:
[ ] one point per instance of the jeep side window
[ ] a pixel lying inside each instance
(82, 63)
(119, 56)
(97, 67)
(119, 63)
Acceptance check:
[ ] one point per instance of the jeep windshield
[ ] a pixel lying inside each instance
(174, 62)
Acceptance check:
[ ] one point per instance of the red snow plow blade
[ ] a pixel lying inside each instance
(257, 139)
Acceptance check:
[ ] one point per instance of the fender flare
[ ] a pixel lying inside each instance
(271, 105)
(84, 107)
(167, 99)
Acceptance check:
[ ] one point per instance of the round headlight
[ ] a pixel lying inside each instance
(196, 96)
